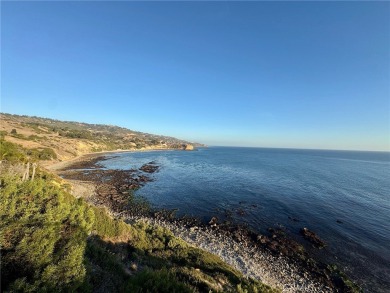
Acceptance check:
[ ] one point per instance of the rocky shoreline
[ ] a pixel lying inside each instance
(273, 259)
(275, 271)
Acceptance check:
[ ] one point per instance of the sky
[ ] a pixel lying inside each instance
(260, 74)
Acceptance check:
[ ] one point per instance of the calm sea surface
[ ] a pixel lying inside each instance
(343, 196)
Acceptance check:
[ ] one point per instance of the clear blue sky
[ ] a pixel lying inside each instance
(281, 74)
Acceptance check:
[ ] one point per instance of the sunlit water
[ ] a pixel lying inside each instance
(343, 196)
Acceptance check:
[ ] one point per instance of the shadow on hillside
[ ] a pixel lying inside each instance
(164, 266)
(120, 267)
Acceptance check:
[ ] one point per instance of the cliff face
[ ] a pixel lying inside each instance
(188, 147)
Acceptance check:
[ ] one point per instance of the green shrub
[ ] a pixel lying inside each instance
(34, 137)
(163, 281)
(43, 237)
(85, 134)
(41, 154)
(105, 226)
(3, 133)
(14, 133)
(11, 152)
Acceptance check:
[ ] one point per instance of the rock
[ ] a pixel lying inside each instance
(149, 168)
(188, 147)
(192, 229)
(213, 221)
(241, 212)
(273, 245)
(293, 219)
(237, 235)
(262, 239)
(312, 237)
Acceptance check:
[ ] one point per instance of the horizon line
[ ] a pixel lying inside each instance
(298, 148)
(207, 145)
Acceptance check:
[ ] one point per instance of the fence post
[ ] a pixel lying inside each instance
(34, 165)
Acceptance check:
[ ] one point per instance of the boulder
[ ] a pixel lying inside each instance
(213, 221)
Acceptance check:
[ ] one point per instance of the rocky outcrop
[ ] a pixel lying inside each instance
(313, 238)
(188, 147)
(150, 167)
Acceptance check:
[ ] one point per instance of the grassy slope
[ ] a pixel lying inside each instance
(70, 139)
(51, 241)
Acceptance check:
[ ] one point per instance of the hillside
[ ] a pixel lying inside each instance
(70, 139)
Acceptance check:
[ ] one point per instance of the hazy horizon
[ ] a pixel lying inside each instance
(307, 75)
(219, 145)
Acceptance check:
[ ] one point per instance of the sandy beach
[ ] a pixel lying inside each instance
(55, 165)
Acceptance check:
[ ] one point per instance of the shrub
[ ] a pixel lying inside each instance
(77, 134)
(44, 231)
(3, 133)
(42, 154)
(11, 152)
(163, 281)
(105, 226)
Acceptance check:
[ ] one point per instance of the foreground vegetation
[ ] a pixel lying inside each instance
(51, 241)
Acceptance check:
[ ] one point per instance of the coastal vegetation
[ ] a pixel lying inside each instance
(69, 139)
(52, 241)
(13, 153)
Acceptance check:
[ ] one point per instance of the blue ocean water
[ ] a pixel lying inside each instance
(344, 196)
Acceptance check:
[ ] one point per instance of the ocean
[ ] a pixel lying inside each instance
(343, 196)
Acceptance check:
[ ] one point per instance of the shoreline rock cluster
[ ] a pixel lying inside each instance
(274, 259)
(276, 271)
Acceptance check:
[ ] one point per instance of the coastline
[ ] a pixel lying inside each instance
(270, 267)
(274, 271)
(58, 165)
